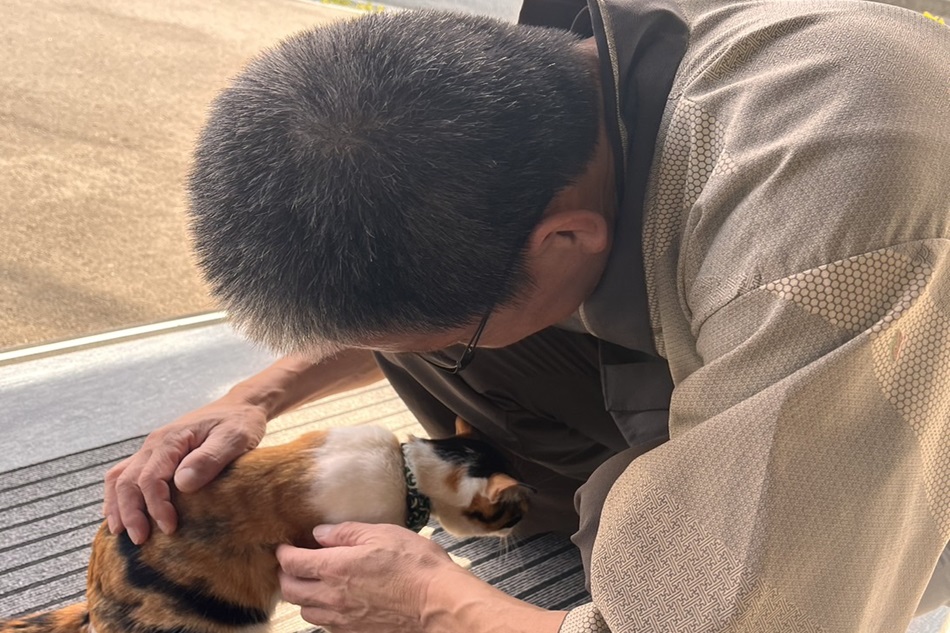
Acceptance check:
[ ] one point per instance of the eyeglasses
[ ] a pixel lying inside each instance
(466, 358)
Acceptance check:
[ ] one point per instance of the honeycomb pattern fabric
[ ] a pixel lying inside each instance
(691, 152)
(859, 292)
(797, 251)
(718, 585)
(584, 619)
(912, 363)
(885, 293)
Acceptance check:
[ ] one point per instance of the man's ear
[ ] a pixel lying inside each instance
(574, 229)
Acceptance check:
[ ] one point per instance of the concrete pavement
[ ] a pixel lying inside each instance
(100, 101)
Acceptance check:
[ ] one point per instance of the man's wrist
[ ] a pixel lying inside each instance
(457, 600)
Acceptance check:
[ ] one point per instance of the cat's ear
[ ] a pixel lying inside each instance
(501, 485)
(463, 428)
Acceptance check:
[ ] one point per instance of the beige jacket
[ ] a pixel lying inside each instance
(797, 256)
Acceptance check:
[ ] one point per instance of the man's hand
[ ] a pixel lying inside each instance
(383, 578)
(193, 449)
(368, 578)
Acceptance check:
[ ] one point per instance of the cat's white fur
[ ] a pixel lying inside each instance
(359, 476)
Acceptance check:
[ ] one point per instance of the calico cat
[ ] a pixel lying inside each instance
(218, 574)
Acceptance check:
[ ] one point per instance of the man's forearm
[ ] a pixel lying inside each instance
(293, 381)
(463, 602)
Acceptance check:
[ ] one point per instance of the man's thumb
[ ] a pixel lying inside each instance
(341, 534)
(205, 463)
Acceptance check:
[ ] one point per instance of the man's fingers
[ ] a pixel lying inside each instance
(320, 603)
(158, 502)
(349, 533)
(137, 527)
(110, 505)
(305, 592)
(206, 461)
(314, 564)
(131, 504)
(143, 475)
(299, 562)
(157, 472)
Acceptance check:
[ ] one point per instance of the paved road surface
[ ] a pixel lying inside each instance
(100, 101)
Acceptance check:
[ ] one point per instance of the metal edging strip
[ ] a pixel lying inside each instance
(85, 342)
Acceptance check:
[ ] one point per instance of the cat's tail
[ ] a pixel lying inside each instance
(71, 619)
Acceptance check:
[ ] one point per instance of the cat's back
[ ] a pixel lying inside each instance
(360, 476)
(217, 573)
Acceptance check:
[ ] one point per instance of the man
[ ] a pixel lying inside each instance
(736, 212)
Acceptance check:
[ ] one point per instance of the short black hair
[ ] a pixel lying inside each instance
(382, 175)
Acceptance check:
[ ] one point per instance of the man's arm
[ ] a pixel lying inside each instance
(291, 382)
(195, 448)
(804, 485)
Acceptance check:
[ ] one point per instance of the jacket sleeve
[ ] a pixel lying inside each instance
(806, 486)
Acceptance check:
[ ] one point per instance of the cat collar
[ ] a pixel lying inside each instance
(416, 502)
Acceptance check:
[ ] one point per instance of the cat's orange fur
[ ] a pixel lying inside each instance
(217, 573)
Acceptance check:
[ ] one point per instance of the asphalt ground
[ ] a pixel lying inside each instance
(100, 103)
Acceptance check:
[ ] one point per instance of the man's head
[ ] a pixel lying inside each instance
(385, 175)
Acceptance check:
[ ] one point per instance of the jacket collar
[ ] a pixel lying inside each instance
(640, 44)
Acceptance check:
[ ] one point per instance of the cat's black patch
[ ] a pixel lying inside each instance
(480, 458)
(194, 599)
(207, 529)
(117, 613)
(41, 619)
(36, 622)
(487, 520)
(510, 511)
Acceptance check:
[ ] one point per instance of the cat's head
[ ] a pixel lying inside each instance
(467, 484)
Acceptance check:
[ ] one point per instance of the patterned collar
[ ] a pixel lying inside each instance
(417, 503)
